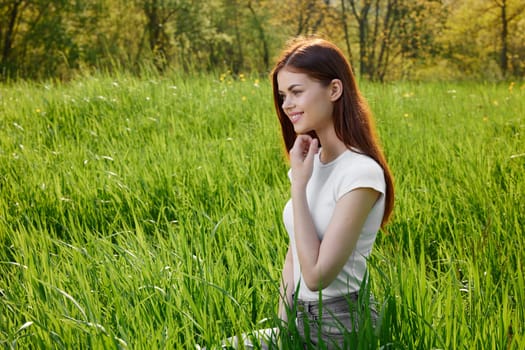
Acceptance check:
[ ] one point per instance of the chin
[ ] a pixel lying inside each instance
(299, 130)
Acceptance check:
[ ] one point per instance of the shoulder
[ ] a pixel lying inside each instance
(356, 170)
(359, 164)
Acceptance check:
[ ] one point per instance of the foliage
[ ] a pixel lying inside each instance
(475, 38)
(133, 215)
(395, 39)
(394, 33)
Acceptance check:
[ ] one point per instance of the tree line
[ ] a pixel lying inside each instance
(384, 39)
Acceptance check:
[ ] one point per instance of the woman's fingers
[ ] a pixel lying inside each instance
(313, 148)
(304, 147)
(302, 159)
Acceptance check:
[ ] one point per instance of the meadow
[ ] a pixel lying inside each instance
(142, 213)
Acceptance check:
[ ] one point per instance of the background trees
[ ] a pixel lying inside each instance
(34, 35)
(384, 39)
(392, 33)
(487, 37)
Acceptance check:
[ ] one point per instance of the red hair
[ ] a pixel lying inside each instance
(323, 61)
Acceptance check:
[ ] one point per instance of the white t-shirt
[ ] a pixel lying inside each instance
(329, 182)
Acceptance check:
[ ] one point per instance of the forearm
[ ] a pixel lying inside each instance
(287, 286)
(306, 239)
(321, 261)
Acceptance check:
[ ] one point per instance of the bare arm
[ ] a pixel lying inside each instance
(287, 286)
(321, 261)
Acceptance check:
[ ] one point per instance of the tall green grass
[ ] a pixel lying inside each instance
(146, 213)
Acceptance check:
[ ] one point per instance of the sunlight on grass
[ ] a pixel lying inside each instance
(141, 213)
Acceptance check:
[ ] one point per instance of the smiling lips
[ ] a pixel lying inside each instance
(294, 117)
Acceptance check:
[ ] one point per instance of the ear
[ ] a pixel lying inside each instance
(336, 89)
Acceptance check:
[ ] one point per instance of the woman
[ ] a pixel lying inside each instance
(342, 190)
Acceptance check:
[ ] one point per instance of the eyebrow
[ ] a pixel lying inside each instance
(291, 87)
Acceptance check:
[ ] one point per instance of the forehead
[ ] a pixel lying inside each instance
(287, 78)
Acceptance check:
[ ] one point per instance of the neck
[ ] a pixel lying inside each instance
(331, 147)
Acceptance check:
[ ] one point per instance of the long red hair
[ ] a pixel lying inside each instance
(323, 61)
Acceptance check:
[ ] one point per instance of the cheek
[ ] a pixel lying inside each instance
(322, 101)
(324, 108)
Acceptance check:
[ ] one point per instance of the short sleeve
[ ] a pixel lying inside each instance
(362, 172)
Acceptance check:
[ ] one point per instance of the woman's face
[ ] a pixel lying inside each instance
(305, 101)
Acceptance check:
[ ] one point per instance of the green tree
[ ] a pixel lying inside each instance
(10, 15)
(495, 42)
(34, 38)
(509, 11)
(391, 32)
(258, 23)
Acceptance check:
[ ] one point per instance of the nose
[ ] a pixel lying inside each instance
(286, 103)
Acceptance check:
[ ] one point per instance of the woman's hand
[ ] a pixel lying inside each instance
(302, 159)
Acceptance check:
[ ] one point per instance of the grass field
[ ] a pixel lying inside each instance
(146, 213)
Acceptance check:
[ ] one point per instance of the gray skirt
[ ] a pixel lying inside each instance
(332, 320)
(326, 324)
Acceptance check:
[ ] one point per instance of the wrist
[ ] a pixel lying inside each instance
(298, 190)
